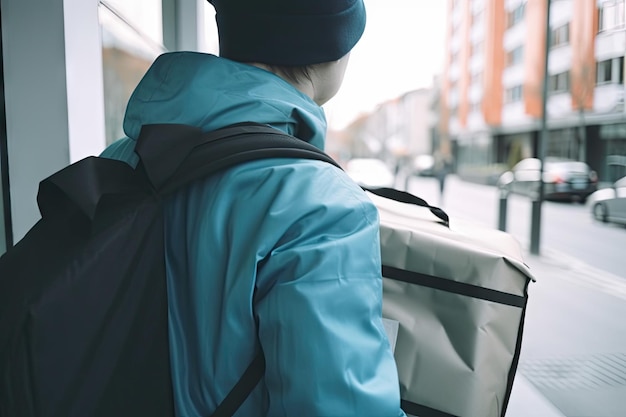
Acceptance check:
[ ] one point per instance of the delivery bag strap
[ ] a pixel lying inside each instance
(404, 197)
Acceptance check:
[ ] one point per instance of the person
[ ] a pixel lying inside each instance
(277, 255)
(442, 167)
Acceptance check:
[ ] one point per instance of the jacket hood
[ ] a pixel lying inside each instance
(210, 92)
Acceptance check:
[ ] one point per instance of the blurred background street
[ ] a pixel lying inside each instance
(574, 346)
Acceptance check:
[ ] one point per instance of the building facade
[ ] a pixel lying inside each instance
(67, 69)
(492, 87)
(396, 131)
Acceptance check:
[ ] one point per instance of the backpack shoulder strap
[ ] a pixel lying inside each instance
(203, 154)
(242, 389)
(79, 187)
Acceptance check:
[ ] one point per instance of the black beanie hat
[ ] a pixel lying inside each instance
(288, 32)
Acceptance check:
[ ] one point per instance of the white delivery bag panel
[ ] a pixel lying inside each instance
(458, 294)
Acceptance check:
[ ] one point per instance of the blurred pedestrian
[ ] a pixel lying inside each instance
(278, 255)
(442, 167)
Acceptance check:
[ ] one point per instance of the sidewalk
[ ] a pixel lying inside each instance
(526, 400)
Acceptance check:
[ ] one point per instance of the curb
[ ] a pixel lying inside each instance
(527, 401)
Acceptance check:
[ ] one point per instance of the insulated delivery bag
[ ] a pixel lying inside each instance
(455, 296)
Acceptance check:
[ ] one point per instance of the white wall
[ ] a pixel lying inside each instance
(560, 59)
(607, 97)
(83, 65)
(561, 12)
(53, 94)
(610, 44)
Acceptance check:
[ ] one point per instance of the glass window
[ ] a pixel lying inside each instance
(513, 94)
(559, 83)
(477, 78)
(613, 131)
(610, 71)
(454, 57)
(560, 36)
(516, 15)
(612, 15)
(478, 17)
(132, 38)
(454, 110)
(604, 71)
(515, 57)
(477, 47)
(142, 16)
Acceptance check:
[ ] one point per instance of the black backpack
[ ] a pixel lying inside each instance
(83, 302)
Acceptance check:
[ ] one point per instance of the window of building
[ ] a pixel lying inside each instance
(453, 30)
(612, 15)
(453, 85)
(454, 110)
(560, 36)
(515, 57)
(513, 94)
(477, 78)
(559, 83)
(516, 15)
(454, 57)
(475, 107)
(478, 17)
(604, 71)
(141, 16)
(132, 38)
(610, 71)
(477, 47)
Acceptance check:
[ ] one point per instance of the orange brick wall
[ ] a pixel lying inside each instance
(534, 56)
(444, 108)
(583, 28)
(464, 62)
(494, 62)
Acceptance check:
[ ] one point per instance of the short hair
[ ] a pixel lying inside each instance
(295, 74)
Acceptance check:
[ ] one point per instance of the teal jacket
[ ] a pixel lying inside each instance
(278, 254)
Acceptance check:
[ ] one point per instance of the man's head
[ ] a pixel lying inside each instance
(288, 33)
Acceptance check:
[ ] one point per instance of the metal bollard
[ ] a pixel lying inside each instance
(504, 198)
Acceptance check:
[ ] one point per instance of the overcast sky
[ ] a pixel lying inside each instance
(401, 50)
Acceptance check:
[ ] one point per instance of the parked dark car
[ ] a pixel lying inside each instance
(609, 204)
(564, 179)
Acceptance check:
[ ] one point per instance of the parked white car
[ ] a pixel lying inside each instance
(609, 204)
(370, 172)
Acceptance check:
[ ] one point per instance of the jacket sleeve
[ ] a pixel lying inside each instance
(319, 311)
